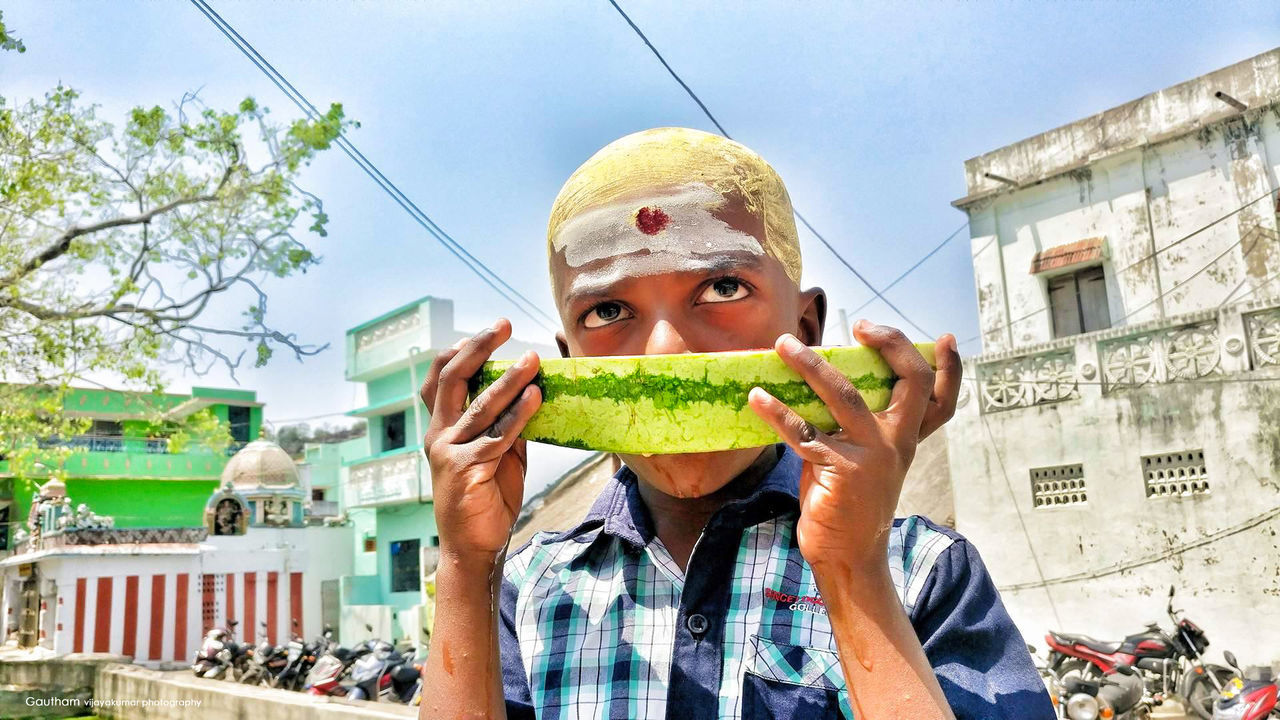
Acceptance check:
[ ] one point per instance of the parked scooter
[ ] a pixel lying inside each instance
(333, 666)
(1249, 695)
(384, 674)
(1169, 663)
(1119, 695)
(217, 652)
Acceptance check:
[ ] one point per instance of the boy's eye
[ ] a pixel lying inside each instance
(604, 314)
(724, 290)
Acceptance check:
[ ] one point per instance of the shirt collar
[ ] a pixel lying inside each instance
(620, 512)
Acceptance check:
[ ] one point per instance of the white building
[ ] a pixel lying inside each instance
(1120, 432)
(78, 585)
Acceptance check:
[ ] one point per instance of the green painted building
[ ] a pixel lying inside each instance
(385, 484)
(125, 465)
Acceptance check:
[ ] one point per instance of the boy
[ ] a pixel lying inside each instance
(747, 583)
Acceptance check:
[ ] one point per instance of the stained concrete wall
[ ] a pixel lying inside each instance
(1181, 186)
(1103, 567)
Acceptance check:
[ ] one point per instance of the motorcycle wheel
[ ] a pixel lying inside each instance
(1200, 693)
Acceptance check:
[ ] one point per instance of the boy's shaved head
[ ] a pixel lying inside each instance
(697, 169)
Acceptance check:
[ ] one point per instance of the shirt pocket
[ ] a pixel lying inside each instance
(793, 682)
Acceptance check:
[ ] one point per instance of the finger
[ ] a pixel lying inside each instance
(488, 405)
(428, 391)
(800, 435)
(915, 377)
(946, 386)
(503, 433)
(841, 397)
(451, 392)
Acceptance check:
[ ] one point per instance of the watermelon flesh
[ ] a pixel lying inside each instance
(695, 402)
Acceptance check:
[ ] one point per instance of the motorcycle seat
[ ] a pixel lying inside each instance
(1106, 648)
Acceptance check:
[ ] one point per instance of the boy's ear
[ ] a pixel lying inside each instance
(813, 316)
(563, 343)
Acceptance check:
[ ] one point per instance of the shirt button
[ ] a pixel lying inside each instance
(697, 624)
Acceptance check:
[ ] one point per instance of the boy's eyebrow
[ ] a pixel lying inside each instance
(602, 283)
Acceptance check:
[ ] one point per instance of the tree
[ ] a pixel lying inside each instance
(116, 242)
(294, 438)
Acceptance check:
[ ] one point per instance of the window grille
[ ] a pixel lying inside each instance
(1058, 485)
(1176, 474)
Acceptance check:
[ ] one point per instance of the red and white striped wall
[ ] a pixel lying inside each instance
(163, 617)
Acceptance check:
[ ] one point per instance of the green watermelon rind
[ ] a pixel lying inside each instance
(672, 404)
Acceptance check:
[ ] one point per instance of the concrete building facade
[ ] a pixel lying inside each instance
(383, 480)
(125, 465)
(78, 583)
(1120, 431)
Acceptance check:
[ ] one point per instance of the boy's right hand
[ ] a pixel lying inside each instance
(476, 455)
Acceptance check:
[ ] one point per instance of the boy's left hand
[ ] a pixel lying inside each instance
(852, 478)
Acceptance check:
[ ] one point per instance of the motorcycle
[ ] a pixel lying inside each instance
(384, 674)
(1169, 663)
(1247, 696)
(299, 658)
(218, 653)
(266, 663)
(1120, 695)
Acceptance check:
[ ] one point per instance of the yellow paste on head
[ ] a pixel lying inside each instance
(664, 157)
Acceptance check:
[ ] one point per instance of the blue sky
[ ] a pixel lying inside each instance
(480, 110)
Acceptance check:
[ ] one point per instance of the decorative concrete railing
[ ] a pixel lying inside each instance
(115, 536)
(1187, 348)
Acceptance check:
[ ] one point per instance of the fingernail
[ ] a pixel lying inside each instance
(860, 323)
(792, 345)
(761, 394)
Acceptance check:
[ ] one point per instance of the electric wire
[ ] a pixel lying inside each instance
(879, 295)
(919, 262)
(492, 279)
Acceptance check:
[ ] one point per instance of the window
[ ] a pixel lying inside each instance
(4, 527)
(393, 431)
(106, 428)
(317, 494)
(1176, 473)
(1058, 485)
(1078, 302)
(404, 565)
(238, 419)
(370, 543)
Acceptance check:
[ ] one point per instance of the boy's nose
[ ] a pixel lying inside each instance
(664, 339)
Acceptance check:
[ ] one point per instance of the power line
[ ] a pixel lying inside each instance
(919, 262)
(492, 279)
(706, 111)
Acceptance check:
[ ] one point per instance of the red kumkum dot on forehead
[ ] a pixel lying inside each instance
(651, 220)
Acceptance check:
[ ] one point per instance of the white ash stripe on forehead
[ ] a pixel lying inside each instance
(691, 229)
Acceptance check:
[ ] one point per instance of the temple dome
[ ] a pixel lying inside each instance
(264, 465)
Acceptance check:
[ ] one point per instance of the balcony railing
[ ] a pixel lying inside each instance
(324, 508)
(394, 478)
(122, 443)
(1188, 348)
(110, 443)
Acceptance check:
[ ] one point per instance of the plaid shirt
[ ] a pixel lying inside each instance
(599, 621)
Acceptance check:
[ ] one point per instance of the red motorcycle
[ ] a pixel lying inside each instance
(1170, 663)
(1247, 696)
